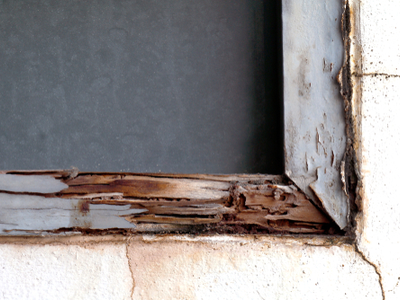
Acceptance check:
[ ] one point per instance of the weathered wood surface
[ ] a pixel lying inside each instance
(48, 202)
(314, 111)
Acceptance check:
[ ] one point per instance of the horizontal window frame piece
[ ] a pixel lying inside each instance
(141, 203)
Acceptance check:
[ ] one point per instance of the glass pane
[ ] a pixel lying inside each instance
(185, 86)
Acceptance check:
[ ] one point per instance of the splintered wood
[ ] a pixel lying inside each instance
(38, 202)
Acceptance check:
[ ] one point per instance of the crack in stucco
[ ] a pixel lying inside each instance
(374, 75)
(376, 268)
(354, 56)
(260, 295)
(363, 256)
(397, 284)
(130, 267)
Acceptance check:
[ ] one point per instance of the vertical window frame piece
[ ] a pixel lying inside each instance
(316, 147)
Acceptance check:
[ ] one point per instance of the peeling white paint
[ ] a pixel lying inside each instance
(27, 212)
(30, 183)
(324, 188)
(313, 107)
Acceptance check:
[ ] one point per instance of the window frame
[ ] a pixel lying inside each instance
(311, 197)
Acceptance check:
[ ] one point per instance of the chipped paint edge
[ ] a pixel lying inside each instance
(31, 183)
(336, 204)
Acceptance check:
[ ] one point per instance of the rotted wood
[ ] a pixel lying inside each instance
(48, 202)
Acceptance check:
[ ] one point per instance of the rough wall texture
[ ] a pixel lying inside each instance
(379, 226)
(247, 268)
(64, 272)
(379, 235)
(151, 267)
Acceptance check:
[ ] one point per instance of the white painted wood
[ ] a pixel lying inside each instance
(315, 138)
(31, 183)
(27, 212)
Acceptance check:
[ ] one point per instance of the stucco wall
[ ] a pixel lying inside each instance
(186, 267)
(223, 267)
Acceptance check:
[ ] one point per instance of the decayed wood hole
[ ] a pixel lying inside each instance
(164, 203)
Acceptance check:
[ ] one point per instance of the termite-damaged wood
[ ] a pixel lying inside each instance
(154, 203)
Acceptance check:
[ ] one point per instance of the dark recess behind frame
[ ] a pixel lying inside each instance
(184, 86)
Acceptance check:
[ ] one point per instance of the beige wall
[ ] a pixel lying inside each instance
(226, 267)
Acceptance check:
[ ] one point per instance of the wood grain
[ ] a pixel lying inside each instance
(150, 203)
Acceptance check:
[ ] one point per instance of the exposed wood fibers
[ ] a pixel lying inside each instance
(209, 203)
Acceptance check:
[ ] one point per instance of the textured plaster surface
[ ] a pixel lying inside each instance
(64, 272)
(378, 236)
(380, 226)
(380, 32)
(234, 269)
(182, 267)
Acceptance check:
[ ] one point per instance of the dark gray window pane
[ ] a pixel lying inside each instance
(186, 86)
